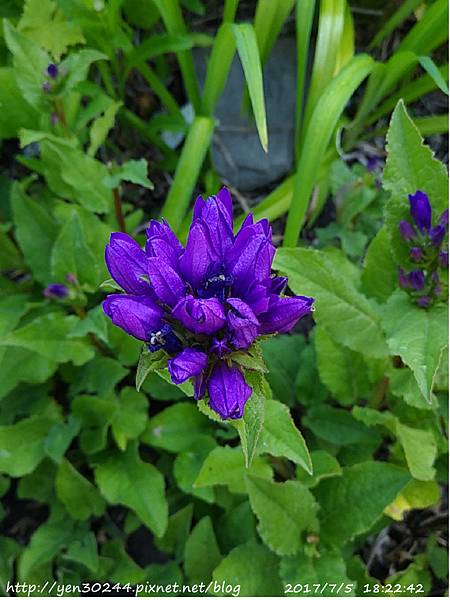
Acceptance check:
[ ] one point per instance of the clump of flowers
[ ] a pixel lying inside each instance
(203, 303)
(428, 249)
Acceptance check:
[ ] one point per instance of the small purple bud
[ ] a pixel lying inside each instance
(54, 119)
(228, 391)
(417, 279)
(437, 235)
(56, 290)
(443, 259)
(416, 254)
(420, 209)
(220, 347)
(403, 279)
(423, 301)
(46, 87)
(52, 71)
(189, 363)
(443, 219)
(71, 278)
(407, 231)
(373, 164)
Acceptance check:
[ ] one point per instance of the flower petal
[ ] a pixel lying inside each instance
(198, 256)
(228, 391)
(420, 209)
(167, 284)
(137, 315)
(242, 323)
(200, 316)
(189, 363)
(127, 263)
(284, 313)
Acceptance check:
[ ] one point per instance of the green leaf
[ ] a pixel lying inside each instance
(71, 254)
(338, 427)
(253, 568)
(134, 171)
(380, 273)
(148, 363)
(174, 539)
(98, 376)
(247, 47)
(324, 465)
(36, 232)
(420, 451)
(95, 414)
(310, 574)
(430, 67)
(416, 495)
(418, 336)
(284, 510)
(77, 66)
(280, 437)
(187, 466)
(101, 126)
(198, 564)
(123, 478)
(225, 466)
(236, 526)
(9, 549)
(22, 445)
(79, 496)
(378, 483)
(345, 313)
(60, 437)
(251, 424)
(410, 167)
(341, 370)
(130, 417)
(30, 63)
(84, 552)
(15, 110)
(251, 359)
(177, 428)
(282, 355)
(44, 23)
(48, 337)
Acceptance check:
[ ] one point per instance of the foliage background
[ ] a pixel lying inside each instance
(103, 483)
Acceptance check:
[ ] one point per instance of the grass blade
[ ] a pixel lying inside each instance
(172, 16)
(219, 64)
(318, 135)
(247, 48)
(275, 204)
(269, 19)
(428, 33)
(186, 175)
(433, 71)
(303, 23)
(400, 15)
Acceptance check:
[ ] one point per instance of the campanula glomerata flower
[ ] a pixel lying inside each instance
(205, 302)
(427, 250)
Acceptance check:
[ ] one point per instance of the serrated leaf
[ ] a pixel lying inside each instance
(199, 565)
(324, 465)
(134, 171)
(251, 424)
(253, 568)
(418, 336)
(225, 466)
(123, 478)
(22, 445)
(378, 483)
(340, 308)
(78, 495)
(416, 495)
(380, 273)
(178, 428)
(284, 510)
(280, 437)
(410, 167)
(186, 468)
(48, 337)
(130, 417)
(101, 126)
(148, 363)
(420, 451)
(84, 551)
(339, 427)
(60, 437)
(44, 23)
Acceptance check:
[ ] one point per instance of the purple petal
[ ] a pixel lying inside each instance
(407, 231)
(249, 260)
(220, 347)
(420, 209)
(443, 219)
(437, 235)
(163, 230)
(443, 259)
(56, 290)
(198, 256)
(284, 313)
(200, 316)
(242, 323)
(417, 279)
(403, 279)
(127, 263)
(160, 248)
(137, 315)
(167, 284)
(228, 391)
(187, 364)
(416, 254)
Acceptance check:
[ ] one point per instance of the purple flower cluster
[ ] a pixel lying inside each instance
(202, 303)
(428, 249)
